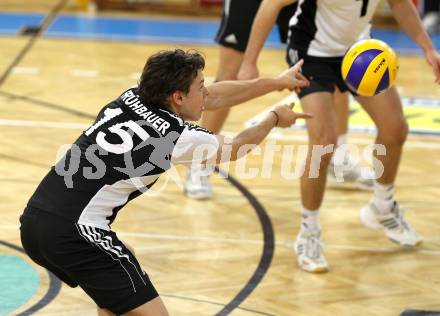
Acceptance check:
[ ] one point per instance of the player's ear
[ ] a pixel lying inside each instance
(177, 98)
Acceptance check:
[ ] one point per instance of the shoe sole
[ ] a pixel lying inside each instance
(348, 184)
(318, 270)
(418, 243)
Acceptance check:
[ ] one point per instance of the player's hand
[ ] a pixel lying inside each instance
(292, 78)
(248, 71)
(287, 117)
(433, 58)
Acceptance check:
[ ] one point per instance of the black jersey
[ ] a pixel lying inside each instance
(118, 158)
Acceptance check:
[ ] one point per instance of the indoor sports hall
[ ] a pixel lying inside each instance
(61, 61)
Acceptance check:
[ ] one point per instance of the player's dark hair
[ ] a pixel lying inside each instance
(166, 72)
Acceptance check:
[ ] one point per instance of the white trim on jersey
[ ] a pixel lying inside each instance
(194, 146)
(226, 8)
(294, 19)
(173, 115)
(109, 197)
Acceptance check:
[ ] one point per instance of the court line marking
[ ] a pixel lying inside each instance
(135, 75)
(52, 106)
(275, 134)
(25, 70)
(268, 236)
(17, 70)
(89, 73)
(48, 124)
(41, 28)
(284, 243)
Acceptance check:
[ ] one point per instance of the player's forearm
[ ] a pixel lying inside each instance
(225, 94)
(408, 18)
(248, 139)
(261, 27)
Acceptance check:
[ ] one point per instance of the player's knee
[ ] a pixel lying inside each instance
(322, 149)
(325, 138)
(396, 134)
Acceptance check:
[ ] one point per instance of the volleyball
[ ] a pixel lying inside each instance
(369, 67)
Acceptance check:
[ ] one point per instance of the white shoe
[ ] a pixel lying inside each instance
(197, 186)
(396, 228)
(350, 172)
(308, 248)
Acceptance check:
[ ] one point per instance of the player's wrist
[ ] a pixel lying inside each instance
(275, 118)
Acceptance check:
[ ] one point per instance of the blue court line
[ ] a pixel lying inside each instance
(134, 29)
(160, 30)
(123, 29)
(11, 23)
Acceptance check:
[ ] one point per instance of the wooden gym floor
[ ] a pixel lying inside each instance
(206, 258)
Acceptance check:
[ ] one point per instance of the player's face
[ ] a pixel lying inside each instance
(194, 100)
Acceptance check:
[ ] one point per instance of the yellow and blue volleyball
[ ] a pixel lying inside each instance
(369, 67)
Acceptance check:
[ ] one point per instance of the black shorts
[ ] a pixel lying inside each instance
(324, 73)
(237, 19)
(92, 258)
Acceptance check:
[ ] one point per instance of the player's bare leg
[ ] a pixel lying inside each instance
(341, 109)
(229, 64)
(197, 185)
(383, 212)
(322, 138)
(347, 166)
(104, 312)
(154, 307)
(322, 132)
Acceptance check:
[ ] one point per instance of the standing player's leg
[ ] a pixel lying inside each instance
(349, 167)
(197, 185)
(322, 138)
(383, 212)
(342, 115)
(232, 36)
(229, 64)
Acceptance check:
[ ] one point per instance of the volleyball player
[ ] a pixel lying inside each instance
(135, 138)
(232, 37)
(321, 31)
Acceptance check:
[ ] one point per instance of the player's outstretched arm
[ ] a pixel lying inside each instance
(229, 93)
(261, 27)
(231, 149)
(408, 18)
